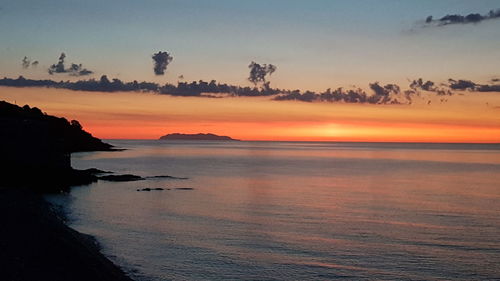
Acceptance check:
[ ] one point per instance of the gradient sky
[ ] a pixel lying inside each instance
(148, 116)
(315, 44)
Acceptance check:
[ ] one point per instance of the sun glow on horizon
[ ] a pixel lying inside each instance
(149, 116)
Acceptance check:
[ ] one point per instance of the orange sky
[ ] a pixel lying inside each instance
(464, 118)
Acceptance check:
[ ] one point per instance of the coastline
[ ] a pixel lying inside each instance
(35, 244)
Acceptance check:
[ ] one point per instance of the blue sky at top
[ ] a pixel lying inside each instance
(315, 44)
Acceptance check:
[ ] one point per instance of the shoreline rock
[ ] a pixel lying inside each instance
(152, 189)
(96, 171)
(121, 178)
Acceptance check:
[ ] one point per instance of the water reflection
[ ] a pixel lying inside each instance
(297, 210)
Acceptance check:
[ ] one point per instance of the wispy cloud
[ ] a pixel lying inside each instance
(472, 86)
(450, 19)
(26, 63)
(73, 70)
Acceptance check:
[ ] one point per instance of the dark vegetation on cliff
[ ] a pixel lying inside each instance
(35, 244)
(35, 149)
(15, 119)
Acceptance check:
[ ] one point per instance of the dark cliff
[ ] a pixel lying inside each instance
(25, 122)
(35, 149)
(35, 244)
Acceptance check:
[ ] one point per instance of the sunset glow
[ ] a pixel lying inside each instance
(149, 116)
(295, 71)
(249, 140)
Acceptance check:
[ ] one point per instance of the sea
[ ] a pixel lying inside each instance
(261, 210)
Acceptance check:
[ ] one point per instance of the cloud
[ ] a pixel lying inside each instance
(347, 96)
(73, 70)
(59, 67)
(472, 18)
(386, 94)
(419, 84)
(378, 94)
(488, 88)
(25, 62)
(462, 84)
(429, 86)
(161, 60)
(308, 96)
(259, 72)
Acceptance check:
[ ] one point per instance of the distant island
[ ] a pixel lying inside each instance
(212, 137)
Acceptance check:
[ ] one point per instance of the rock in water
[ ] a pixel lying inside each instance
(126, 177)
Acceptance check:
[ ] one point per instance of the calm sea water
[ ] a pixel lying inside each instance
(295, 210)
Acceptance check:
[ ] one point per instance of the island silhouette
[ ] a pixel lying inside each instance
(199, 136)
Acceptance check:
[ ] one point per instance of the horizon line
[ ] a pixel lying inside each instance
(322, 141)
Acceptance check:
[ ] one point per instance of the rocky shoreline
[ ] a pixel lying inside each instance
(35, 243)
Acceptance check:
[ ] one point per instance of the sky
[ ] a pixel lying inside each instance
(314, 44)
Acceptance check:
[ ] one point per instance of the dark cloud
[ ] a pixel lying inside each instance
(259, 72)
(101, 85)
(462, 84)
(386, 94)
(488, 88)
(26, 62)
(202, 88)
(59, 67)
(443, 92)
(308, 96)
(389, 93)
(73, 70)
(419, 84)
(461, 19)
(161, 60)
(429, 86)
(472, 86)
(347, 96)
(379, 94)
